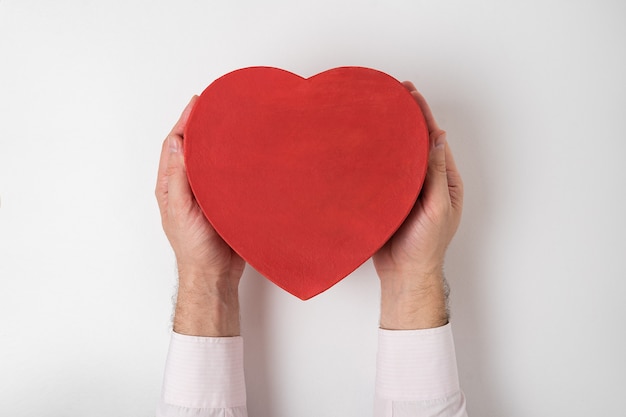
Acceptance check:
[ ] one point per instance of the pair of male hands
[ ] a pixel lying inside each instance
(409, 265)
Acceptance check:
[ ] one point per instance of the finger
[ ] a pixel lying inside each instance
(177, 130)
(409, 86)
(451, 166)
(436, 182)
(428, 114)
(163, 160)
(455, 182)
(179, 127)
(161, 185)
(179, 195)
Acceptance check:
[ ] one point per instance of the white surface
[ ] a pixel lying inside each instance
(531, 93)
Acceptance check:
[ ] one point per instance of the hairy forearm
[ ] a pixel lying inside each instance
(416, 303)
(206, 306)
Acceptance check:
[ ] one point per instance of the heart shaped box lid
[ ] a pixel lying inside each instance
(306, 178)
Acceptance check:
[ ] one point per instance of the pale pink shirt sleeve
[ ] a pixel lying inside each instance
(416, 376)
(203, 378)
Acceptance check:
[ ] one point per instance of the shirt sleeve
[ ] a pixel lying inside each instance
(204, 377)
(416, 374)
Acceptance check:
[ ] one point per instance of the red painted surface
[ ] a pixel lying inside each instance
(306, 178)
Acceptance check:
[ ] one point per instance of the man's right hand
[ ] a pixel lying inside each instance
(209, 270)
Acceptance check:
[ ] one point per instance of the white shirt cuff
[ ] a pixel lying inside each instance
(204, 373)
(416, 365)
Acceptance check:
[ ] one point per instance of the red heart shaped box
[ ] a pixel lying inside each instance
(306, 178)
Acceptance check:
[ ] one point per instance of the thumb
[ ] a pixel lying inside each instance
(435, 187)
(179, 191)
(437, 160)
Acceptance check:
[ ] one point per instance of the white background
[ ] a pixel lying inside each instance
(532, 94)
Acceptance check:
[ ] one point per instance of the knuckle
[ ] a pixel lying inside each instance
(171, 170)
(440, 166)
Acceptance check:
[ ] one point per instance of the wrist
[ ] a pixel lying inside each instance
(416, 301)
(207, 305)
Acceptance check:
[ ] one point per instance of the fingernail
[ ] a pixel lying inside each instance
(173, 145)
(193, 98)
(441, 140)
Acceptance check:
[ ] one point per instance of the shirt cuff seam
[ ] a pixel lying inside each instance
(206, 339)
(415, 332)
(200, 405)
